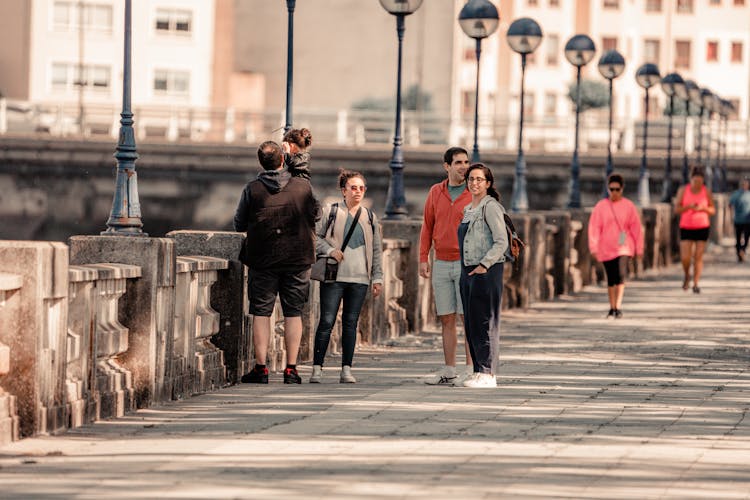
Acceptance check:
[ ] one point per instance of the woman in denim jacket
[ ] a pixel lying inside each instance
(483, 241)
(360, 264)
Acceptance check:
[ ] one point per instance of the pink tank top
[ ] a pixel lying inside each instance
(693, 219)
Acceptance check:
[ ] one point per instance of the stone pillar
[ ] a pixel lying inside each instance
(408, 230)
(229, 296)
(114, 379)
(36, 336)
(389, 317)
(147, 309)
(10, 304)
(560, 249)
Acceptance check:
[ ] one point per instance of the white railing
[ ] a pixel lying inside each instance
(355, 127)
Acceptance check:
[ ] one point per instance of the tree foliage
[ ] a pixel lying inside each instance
(414, 99)
(594, 94)
(680, 109)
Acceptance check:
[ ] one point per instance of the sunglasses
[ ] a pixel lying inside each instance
(615, 189)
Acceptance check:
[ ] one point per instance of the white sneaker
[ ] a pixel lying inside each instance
(445, 377)
(481, 380)
(459, 380)
(317, 374)
(346, 375)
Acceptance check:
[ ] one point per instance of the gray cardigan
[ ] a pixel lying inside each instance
(486, 239)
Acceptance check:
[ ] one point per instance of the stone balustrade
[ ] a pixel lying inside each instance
(109, 324)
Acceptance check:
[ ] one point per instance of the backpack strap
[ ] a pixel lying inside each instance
(331, 218)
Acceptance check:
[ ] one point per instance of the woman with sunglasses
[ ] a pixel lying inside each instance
(360, 264)
(694, 204)
(614, 238)
(483, 242)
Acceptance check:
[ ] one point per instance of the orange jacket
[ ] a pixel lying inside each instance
(440, 226)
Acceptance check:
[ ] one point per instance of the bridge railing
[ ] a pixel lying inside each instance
(104, 325)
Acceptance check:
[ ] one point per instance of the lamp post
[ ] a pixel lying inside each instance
(684, 93)
(716, 165)
(395, 207)
(695, 98)
(478, 19)
(727, 108)
(647, 76)
(125, 217)
(611, 65)
(290, 4)
(706, 104)
(524, 36)
(669, 85)
(578, 51)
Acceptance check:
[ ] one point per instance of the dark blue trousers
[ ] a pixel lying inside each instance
(482, 295)
(331, 295)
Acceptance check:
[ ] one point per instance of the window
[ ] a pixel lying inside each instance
(712, 51)
(554, 3)
(609, 43)
(653, 5)
(651, 51)
(66, 76)
(533, 3)
(739, 3)
(552, 49)
(174, 21)
(611, 4)
(736, 52)
(467, 102)
(528, 104)
(685, 6)
(550, 104)
(66, 16)
(171, 82)
(682, 54)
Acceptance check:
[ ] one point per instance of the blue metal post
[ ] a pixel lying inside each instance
(608, 168)
(666, 186)
(125, 217)
(395, 207)
(475, 149)
(520, 201)
(644, 195)
(575, 166)
(290, 4)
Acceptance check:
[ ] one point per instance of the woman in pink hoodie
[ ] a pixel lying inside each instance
(614, 237)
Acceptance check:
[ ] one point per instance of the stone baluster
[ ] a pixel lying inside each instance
(10, 304)
(575, 278)
(389, 317)
(81, 397)
(184, 326)
(114, 381)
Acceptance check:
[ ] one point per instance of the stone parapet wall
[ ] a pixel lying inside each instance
(110, 324)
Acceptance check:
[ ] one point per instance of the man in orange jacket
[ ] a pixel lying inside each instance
(443, 211)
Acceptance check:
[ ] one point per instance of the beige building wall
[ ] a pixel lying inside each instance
(15, 46)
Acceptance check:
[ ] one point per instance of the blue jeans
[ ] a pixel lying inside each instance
(331, 295)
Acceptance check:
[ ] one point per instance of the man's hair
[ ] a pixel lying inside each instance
(270, 155)
(616, 178)
(451, 152)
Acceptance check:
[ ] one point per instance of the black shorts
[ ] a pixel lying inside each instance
(292, 286)
(616, 269)
(694, 234)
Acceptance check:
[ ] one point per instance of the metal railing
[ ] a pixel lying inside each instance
(357, 127)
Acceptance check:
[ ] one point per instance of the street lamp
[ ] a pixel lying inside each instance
(716, 107)
(669, 85)
(395, 207)
(125, 217)
(290, 4)
(726, 108)
(478, 19)
(684, 93)
(524, 36)
(611, 65)
(707, 99)
(578, 51)
(647, 76)
(695, 97)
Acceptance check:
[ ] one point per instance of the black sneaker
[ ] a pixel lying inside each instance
(618, 313)
(611, 313)
(291, 376)
(255, 376)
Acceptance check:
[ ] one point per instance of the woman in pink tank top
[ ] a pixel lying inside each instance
(695, 206)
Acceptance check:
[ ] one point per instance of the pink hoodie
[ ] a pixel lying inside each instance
(607, 220)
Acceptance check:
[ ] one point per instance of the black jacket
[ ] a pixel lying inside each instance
(278, 212)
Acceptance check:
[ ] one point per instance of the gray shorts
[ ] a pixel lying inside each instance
(445, 276)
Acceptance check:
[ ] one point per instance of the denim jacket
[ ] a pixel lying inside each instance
(486, 239)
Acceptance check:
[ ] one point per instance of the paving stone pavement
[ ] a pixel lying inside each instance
(654, 405)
